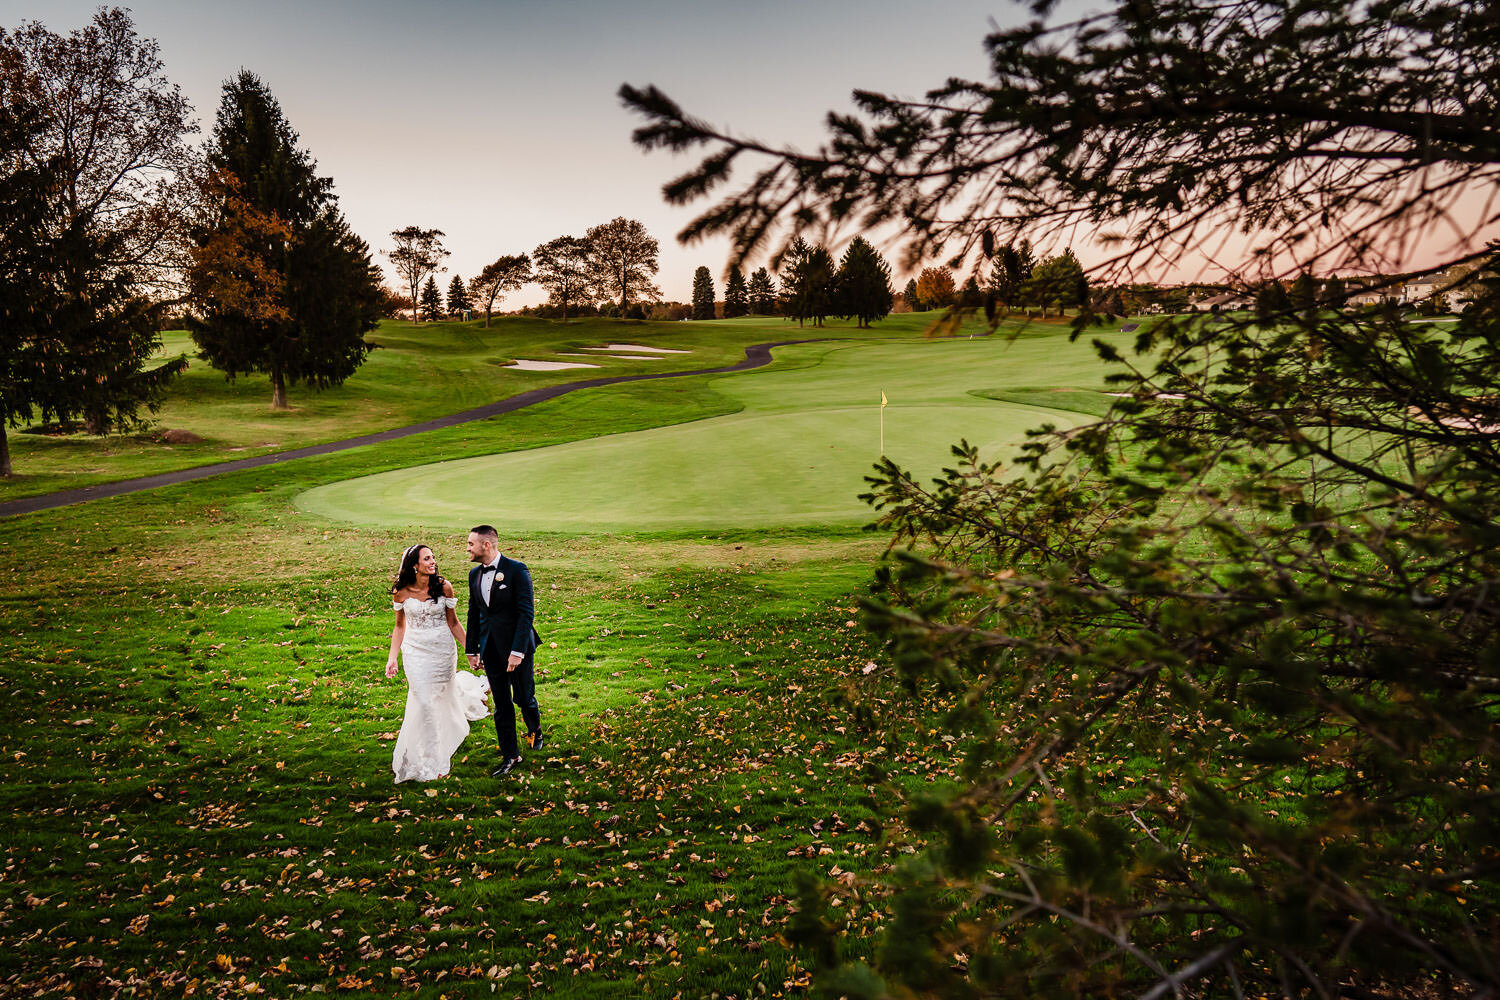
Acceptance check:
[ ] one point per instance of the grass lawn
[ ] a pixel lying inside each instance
(415, 373)
(196, 784)
(794, 451)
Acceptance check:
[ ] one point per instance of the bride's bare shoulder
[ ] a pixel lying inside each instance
(447, 588)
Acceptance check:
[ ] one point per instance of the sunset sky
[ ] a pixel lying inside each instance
(497, 122)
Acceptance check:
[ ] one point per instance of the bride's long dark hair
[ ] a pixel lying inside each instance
(408, 574)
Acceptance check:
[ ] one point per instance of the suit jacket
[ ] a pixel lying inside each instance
(506, 622)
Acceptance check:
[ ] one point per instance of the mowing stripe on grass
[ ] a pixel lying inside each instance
(756, 355)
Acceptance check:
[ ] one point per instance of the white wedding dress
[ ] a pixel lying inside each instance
(441, 700)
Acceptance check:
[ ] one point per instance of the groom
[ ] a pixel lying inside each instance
(502, 639)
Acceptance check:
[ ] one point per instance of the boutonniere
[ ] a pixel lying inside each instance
(498, 577)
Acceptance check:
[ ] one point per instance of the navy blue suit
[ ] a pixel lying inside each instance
(503, 624)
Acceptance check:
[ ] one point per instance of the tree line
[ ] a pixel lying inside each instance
(615, 260)
(811, 288)
(1014, 279)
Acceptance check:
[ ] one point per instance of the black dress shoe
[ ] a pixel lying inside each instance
(506, 766)
(538, 740)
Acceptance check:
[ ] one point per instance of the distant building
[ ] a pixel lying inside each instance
(1226, 302)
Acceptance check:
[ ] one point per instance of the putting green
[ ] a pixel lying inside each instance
(796, 454)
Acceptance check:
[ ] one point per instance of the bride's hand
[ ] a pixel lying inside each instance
(390, 667)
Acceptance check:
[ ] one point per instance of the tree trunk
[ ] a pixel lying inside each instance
(416, 310)
(278, 390)
(5, 467)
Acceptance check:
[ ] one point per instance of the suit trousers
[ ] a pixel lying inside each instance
(512, 687)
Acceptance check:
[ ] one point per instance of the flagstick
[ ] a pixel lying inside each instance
(882, 432)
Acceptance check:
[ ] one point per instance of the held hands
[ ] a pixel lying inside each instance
(390, 667)
(473, 660)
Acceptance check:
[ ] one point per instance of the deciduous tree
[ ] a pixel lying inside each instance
(418, 253)
(506, 274)
(623, 259)
(563, 268)
(736, 294)
(935, 288)
(1220, 666)
(76, 338)
(703, 294)
(113, 130)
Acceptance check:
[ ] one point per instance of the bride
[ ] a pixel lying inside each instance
(440, 700)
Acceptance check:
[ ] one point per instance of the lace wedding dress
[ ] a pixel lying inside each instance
(441, 700)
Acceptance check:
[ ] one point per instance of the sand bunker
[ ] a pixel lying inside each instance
(636, 347)
(548, 366)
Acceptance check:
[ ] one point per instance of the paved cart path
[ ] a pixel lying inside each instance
(756, 355)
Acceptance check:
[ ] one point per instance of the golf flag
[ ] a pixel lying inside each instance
(882, 397)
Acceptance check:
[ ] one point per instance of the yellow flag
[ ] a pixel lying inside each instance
(882, 397)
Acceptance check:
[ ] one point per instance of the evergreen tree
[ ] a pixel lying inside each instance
(970, 297)
(807, 282)
(1304, 294)
(1010, 272)
(1055, 282)
(762, 293)
(431, 301)
(1333, 293)
(458, 297)
(913, 300)
(736, 294)
(333, 291)
(1082, 291)
(279, 282)
(1113, 303)
(1271, 300)
(703, 294)
(864, 284)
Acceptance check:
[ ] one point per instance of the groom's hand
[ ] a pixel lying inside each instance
(514, 662)
(473, 660)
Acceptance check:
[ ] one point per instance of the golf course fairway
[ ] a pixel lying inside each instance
(796, 453)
